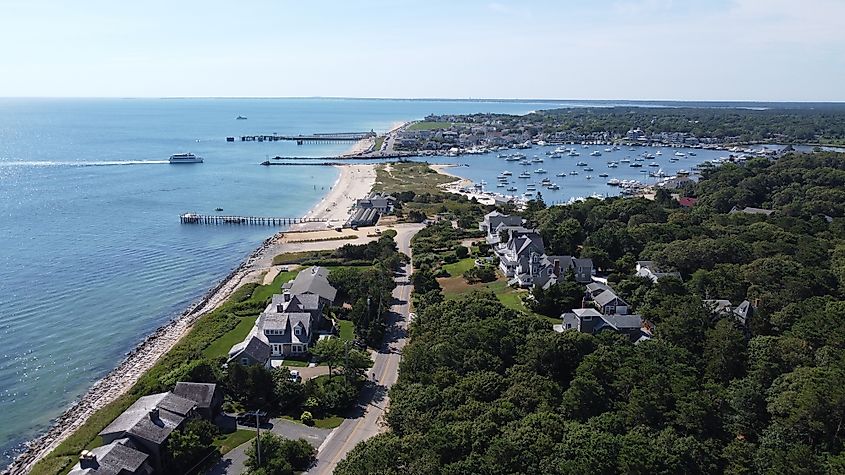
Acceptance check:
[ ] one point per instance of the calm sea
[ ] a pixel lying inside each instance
(92, 255)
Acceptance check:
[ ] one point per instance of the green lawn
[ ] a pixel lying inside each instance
(457, 269)
(227, 442)
(429, 125)
(221, 346)
(453, 287)
(347, 330)
(328, 422)
(379, 142)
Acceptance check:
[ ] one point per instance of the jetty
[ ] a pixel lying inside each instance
(311, 138)
(195, 218)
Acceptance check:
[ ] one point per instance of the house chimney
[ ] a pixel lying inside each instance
(87, 459)
(154, 414)
(557, 268)
(756, 302)
(286, 296)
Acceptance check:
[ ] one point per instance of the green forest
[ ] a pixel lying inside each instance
(487, 390)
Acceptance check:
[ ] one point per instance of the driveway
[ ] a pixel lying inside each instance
(235, 461)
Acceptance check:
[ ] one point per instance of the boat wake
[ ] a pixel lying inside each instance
(104, 163)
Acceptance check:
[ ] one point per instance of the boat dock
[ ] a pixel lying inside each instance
(194, 218)
(312, 138)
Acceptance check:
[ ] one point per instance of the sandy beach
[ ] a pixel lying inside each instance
(354, 182)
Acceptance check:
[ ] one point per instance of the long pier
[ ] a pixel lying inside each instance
(310, 138)
(194, 218)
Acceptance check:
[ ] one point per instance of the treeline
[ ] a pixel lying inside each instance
(485, 390)
(781, 125)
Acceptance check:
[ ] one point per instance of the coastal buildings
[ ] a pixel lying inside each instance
(649, 270)
(522, 254)
(369, 209)
(148, 423)
(609, 312)
(289, 324)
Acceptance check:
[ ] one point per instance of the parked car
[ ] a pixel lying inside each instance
(295, 376)
(249, 418)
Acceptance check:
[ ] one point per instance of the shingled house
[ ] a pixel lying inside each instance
(589, 320)
(120, 457)
(207, 396)
(291, 321)
(149, 421)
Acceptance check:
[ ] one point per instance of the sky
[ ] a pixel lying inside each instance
(754, 50)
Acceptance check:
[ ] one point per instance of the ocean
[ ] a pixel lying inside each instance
(92, 255)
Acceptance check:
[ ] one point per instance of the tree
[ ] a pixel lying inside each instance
(278, 456)
(330, 351)
(186, 447)
(724, 351)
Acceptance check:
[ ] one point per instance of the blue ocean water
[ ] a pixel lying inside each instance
(92, 255)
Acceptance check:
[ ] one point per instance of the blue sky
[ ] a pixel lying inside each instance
(602, 49)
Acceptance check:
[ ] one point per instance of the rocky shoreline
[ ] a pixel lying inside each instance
(137, 362)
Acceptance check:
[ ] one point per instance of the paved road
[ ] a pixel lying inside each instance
(234, 461)
(374, 398)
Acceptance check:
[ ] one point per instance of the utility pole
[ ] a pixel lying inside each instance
(257, 438)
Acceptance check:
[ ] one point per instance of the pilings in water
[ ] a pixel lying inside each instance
(194, 218)
(311, 138)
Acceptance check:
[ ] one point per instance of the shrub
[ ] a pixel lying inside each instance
(306, 418)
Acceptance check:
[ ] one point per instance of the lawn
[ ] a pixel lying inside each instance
(347, 330)
(221, 346)
(328, 422)
(429, 125)
(457, 269)
(510, 297)
(227, 442)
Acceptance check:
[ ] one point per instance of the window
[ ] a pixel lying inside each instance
(297, 331)
(297, 348)
(244, 361)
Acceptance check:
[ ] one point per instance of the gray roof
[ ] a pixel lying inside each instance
(623, 321)
(607, 297)
(597, 288)
(200, 393)
(286, 322)
(116, 458)
(138, 420)
(314, 280)
(744, 311)
(718, 305)
(750, 210)
(253, 347)
(583, 262)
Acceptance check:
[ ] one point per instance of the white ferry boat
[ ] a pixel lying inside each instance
(185, 158)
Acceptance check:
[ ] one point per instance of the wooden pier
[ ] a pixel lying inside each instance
(312, 138)
(194, 218)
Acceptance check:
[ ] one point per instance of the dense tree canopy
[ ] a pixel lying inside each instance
(484, 389)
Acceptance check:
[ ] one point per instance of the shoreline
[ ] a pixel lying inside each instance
(354, 182)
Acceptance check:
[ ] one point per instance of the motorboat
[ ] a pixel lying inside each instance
(524, 175)
(581, 164)
(613, 182)
(595, 153)
(573, 172)
(561, 174)
(507, 173)
(540, 171)
(603, 175)
(636, 165)
(588, 169)
(554, 186)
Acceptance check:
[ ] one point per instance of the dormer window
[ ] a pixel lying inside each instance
(297, 331)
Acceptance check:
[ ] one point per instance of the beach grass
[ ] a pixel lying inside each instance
(429, 125)
(457, 269)
(227, 442)
(417, 177)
